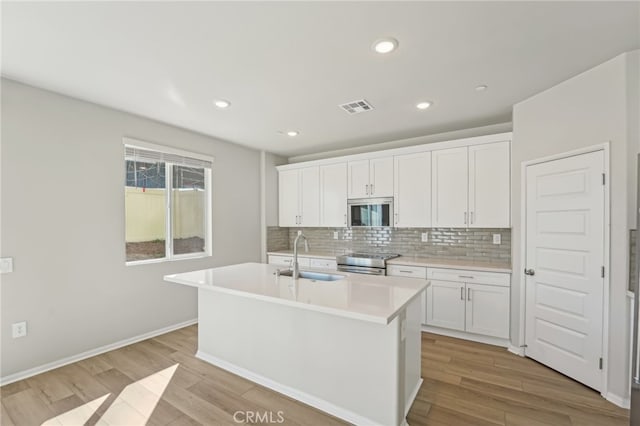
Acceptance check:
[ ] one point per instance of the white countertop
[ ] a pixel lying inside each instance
(432, 262)
(376, 299)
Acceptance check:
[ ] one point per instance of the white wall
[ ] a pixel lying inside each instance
(70, 280)
(586, 110)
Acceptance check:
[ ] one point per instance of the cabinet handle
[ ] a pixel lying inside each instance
(396, 216)
(300, 222)
(345, 218)
(471, 218)
(371, 186)
(366, 189)
(466, 276)
(465, 218)
(461, 293)
(406, 272)
(468, 294)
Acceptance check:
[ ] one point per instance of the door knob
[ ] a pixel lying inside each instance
(529, 272)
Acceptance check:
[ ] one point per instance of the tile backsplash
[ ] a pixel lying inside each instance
(446, 243)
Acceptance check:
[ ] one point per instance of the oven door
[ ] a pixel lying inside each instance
(370, 212)
(362, 270)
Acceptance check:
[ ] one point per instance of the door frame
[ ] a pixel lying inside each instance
(604, 147)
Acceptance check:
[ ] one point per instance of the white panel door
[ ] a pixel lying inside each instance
(333, 195)
(288, 205)
(381, 177)
(358, 178)
(412, 190)
(565, 254)
(487, 310)
(309, 196)
(445, 304)
(489, 185)
(450, 187)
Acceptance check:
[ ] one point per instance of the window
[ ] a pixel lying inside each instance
(167, 203)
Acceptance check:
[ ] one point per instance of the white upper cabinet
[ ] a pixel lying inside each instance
(412, 190)
(333, 195)
(288, 206)
(310, 196)
(299, 197)
(450, 186)
(358, 175)
(457, 184)
(471, 186)
(381, 177)
(370, 178)
(489, 185)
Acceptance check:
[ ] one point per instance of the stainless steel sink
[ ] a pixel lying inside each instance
(315, 276)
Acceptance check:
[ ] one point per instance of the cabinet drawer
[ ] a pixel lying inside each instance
(303, 262)
(407, 271)
(323, 263)
(464, 276)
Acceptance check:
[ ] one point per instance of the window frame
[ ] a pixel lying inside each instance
(208, 189)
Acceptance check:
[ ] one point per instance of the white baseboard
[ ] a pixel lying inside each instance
(296, 394)
(505, 343)
(516, 350)
(618, 400)
(93, 352)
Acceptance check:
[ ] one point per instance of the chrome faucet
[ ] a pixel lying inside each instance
(295, 268)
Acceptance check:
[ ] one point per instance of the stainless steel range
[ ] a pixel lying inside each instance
(365, 263)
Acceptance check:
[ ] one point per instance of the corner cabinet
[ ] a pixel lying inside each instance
(370, 178)
(471, 186)
(471, 301)
(299, 197)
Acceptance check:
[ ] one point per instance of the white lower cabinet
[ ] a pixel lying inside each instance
(487, 310)
(445, 305)
(475, 302)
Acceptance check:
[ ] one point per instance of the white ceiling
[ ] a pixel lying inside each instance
(289, 65)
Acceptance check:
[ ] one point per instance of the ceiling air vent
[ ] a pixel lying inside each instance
(356, 107)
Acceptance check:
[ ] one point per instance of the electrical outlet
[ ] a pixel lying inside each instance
(335, 235)
(497, 239)
(19, 329)
(425, 237)
(6, 265)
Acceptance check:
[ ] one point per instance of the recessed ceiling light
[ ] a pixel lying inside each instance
(482, 87)
(222, 104)
(385, 45)
(292, 133)
(423, 105)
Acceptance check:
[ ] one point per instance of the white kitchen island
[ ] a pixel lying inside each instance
(349, 347)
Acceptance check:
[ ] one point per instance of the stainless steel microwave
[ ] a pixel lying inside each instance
(370, 212)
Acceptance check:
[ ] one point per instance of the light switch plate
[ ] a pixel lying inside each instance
(6, 265)
(497, 239)
(425, 237)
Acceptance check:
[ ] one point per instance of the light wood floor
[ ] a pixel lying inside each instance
(465, 383)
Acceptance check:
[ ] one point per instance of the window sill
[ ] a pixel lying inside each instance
(165, 259)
